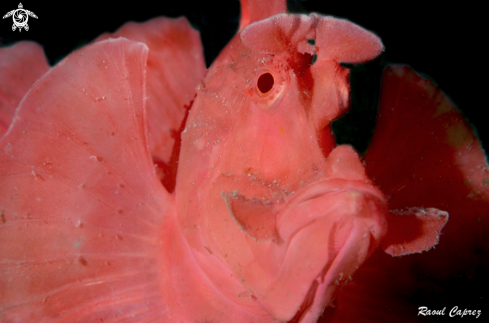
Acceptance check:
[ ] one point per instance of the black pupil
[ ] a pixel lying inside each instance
(265, 82)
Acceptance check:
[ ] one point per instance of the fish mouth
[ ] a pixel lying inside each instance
(255, 208)
(330, 223)
(259, 216)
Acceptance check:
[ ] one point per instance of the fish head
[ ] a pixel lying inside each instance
(257, 147)
(265, 106)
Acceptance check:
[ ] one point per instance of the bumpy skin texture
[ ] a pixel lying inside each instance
(259, 156)
(78, 239)
(268, 218)
(170, 86)
(81, 208)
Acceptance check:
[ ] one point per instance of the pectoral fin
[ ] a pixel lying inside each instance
(81, 210)
(175, 66)
(413, 230)
(20, 66)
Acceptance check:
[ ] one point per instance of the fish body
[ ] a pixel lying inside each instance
(266, 219)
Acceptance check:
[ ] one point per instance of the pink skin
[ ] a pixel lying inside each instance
(242, 137)
(112, 233)
(172, 85)
(268, 218)
(21, 65)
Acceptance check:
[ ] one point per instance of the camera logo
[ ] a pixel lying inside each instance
(20, 17)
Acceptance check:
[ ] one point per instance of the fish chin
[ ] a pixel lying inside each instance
(293, 250)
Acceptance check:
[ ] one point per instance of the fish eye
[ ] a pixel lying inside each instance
(269, 86)
(265, 83)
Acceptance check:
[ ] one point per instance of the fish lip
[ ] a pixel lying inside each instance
(262, 215)
(326, 284)
(259, 216)
(322, 284)
(256, 214)
(322, 187)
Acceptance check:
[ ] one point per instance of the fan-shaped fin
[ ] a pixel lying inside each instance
(413, 230)
(175, 66)
(81, 209)
(255, 10)
(20, 66)
(420, 132)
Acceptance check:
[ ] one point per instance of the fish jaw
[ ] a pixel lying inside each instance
(320, 234)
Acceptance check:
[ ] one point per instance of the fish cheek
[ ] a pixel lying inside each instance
(203, 140)
(226, 239)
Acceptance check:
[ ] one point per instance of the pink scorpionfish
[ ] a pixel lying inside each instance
(221, 196)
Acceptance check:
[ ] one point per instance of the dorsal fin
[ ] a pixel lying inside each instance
(255, 10)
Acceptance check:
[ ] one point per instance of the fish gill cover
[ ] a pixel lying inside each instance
(418, 34)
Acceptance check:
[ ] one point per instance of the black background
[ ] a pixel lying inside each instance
(444, 42)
